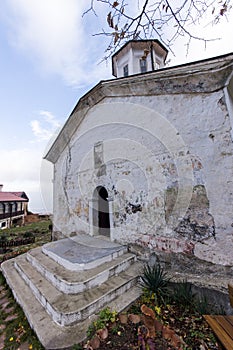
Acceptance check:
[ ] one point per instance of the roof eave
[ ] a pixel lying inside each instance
(158, 80)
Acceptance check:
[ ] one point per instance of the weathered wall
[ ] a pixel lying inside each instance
(166, 162)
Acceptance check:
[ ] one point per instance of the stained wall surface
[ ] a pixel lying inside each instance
(161, 146)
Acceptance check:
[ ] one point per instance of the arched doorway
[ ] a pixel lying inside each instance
(101, 219)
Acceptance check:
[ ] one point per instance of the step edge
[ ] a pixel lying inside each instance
(36, 323)
(67, 318)
(68, 287)
(81, 267)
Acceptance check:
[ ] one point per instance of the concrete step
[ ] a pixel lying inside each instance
(83, 252)
(51, 335)
(67, 309)
(73, 282)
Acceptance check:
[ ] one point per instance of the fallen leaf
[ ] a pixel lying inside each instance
(176, 341)
(147, 311)
(158, 326)
(143, 331)
(102, 333)
(134, 318)
(116, 37)
(95, 342)
(150, 325)
(123, 318)
(167, 333)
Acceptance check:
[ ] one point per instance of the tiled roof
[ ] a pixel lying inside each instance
(12, 197)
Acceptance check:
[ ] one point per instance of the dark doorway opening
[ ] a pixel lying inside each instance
(103, 211)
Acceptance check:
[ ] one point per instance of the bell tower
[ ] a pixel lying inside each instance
(138, 56)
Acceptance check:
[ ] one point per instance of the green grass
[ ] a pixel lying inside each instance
(40, 230)
(35, 227)
(18, 331)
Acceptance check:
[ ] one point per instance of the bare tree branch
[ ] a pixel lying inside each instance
(165, 20)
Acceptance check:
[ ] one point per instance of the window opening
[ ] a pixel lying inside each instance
(143, 65)
(126, 70)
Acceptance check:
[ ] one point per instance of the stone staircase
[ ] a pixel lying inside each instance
(62, 285)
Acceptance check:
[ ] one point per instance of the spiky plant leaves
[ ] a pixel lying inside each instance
(183, 294)
(155, 280)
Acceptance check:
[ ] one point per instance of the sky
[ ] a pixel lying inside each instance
(49, 58)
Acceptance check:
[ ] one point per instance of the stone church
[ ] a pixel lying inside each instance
(146, 159)
(142, 172)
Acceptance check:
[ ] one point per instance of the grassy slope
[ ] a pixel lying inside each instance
(17, 333)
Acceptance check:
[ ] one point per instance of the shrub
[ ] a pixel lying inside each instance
(203, 307)
(28, 234)
(155, 280)
(3, 237)
(183, 294)
(105, 317)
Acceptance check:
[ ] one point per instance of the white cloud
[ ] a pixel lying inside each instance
(50, 118)
(19, 164)
(53, 33)
(44, 128)
(59, 40)
(25, 170)
(40, 133)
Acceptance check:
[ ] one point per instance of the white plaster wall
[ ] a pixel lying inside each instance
(127, 59)
(203, 123)
(132, 58)
(150, 143)
(133, 174)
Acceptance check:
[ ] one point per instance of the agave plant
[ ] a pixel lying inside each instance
(183, 294)
(155, 280)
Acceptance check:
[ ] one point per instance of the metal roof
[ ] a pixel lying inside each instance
(12, 197)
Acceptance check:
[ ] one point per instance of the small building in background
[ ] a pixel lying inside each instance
(13, 208)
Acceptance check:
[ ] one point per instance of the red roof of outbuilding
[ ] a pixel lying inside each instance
(21, 194)
(12, 197)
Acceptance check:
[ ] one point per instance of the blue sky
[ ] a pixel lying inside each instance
(48, 60)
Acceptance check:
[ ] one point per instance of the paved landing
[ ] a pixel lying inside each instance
(81, 251)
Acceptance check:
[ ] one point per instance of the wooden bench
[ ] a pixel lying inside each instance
(223, 325)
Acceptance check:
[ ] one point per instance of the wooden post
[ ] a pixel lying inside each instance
(230, 291)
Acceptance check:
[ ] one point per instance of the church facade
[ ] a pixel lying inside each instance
(146, 159)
